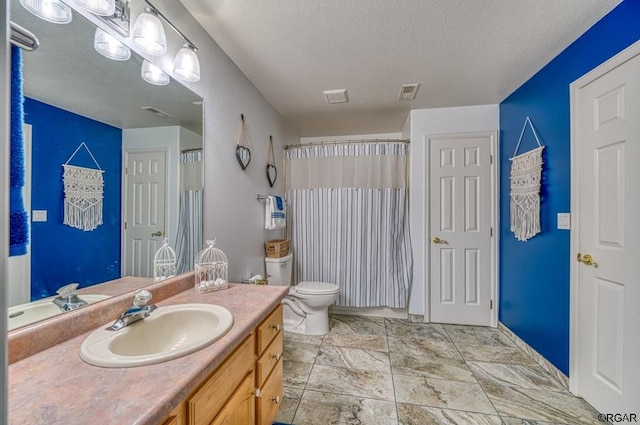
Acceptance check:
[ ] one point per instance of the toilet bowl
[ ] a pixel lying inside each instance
(306, 307)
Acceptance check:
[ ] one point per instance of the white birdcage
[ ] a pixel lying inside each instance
(164, 262)
(212, 269)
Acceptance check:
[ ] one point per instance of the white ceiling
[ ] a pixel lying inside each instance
(462, 52)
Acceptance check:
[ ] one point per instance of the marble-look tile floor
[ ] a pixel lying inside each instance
(376, 371)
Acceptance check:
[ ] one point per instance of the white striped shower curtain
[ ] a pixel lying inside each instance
(348, 220)
(189, 237)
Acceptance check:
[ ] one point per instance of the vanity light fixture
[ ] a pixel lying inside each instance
(54, 11)
(186, 65)
(109, 47)
(153, 75)
(148, 33)
(98, 7)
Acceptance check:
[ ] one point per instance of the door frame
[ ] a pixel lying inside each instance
(495, 217)
(123, 197)
(599, 71)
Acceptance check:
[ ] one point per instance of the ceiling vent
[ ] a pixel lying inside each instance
(336, 96)
(408, 91)
(157, 112)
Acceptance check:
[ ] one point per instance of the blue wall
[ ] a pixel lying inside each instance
(534, 275)
(61, 254)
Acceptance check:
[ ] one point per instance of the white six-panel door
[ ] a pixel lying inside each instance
(145, 187)
(606, 118)
(461, 254)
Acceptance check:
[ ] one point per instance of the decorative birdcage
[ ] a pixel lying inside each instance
(164, 262)
(212, 269)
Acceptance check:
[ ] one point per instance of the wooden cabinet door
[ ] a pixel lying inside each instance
(240, 409)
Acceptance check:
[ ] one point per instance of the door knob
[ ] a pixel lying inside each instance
(438, 240)
(158, 233)
(587, 260)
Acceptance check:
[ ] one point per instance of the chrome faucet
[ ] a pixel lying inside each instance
(138, 310)
(67, 298)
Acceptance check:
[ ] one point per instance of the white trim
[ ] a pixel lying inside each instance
(123, 195)
(391, 313)
(426, 213)
(606, 67)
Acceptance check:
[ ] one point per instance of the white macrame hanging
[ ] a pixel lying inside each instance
(526, 172)
(83, 188)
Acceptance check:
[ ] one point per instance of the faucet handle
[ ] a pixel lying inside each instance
(141, 297)
(67, 290)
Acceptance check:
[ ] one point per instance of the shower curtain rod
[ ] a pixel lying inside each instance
(23, 38)
(346, 142)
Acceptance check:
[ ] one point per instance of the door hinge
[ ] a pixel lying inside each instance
(491, 231)
(125, 225)
(126, 171)
(490, 159)
(490, 304)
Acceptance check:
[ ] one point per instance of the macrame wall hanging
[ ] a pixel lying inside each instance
(526, 173)
(83, 189)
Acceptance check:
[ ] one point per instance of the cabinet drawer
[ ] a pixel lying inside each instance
(240, 410)
(268, 329)
(205, 404)
(271, 396)
(268, 359)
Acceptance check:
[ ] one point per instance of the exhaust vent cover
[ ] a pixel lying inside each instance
(408, 91)
(157, 112)
(336, 96)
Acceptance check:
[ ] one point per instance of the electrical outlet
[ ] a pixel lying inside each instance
(39, 215)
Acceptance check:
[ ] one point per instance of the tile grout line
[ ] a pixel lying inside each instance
(393, 381)
(474, 376)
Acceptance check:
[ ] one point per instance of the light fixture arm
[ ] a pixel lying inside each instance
(191, 45)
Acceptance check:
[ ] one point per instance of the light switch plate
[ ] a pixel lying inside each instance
(564, 221)
(39, 215)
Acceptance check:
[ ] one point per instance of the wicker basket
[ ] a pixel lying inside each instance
(277, 248)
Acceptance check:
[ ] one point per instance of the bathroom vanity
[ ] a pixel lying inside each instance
(235, 380)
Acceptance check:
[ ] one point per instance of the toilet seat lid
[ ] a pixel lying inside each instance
(317, 288)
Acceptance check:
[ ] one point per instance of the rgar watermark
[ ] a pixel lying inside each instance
(618, 417)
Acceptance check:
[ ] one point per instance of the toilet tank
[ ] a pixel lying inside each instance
(279, 270)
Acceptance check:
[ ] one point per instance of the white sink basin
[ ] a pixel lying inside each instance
(25, 314)
(168, 333)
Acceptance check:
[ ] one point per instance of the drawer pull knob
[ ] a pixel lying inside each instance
(256, 392)
(277, 356)
(276, 399)
(276, 326)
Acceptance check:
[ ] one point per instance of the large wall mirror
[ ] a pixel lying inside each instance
(89, 111)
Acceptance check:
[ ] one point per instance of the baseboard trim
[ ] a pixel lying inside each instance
(390, 313)
(539, 358)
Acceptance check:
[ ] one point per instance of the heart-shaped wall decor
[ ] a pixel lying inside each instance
(244, 156)
(272, 174)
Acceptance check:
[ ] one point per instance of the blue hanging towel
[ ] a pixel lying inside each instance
(18, 218)
(279, 202)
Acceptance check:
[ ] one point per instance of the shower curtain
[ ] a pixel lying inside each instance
(348, 220)
(189, 237)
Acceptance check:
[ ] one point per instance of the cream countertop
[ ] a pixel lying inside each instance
(55, 386)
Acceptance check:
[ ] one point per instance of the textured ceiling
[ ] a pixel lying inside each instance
(65, 71)
(462, 52)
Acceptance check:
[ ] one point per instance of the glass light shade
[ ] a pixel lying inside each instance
(98, 7)
(154, 75)
(50, 10)
(186, 65)
(109, 47)
(148, 34)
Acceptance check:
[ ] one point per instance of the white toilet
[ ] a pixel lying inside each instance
(307, 305)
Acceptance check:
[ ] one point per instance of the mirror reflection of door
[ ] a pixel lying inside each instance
(145, 210)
